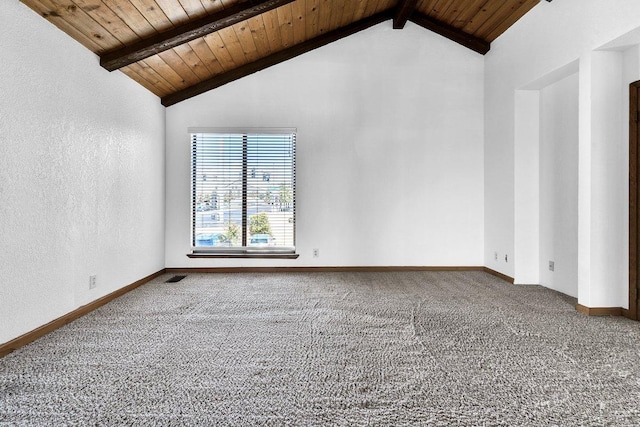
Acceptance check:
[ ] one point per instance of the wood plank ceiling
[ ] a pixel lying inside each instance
(181, 48)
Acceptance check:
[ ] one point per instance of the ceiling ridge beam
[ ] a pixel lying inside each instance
(185, 33)
(403, 11)
(276, 58)
(452, 33)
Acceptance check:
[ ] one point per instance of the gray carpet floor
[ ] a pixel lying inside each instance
(350, 349)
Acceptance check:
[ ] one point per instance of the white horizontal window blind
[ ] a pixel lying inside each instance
(243, 192)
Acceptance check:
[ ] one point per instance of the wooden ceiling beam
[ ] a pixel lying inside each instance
(276, 58)
(403, 11)
(185, 33)
(452, 33)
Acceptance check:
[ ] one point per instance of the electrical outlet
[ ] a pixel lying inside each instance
(92, 282)
(316, 253)
(506, 258)
(552, 266)
(495, 256)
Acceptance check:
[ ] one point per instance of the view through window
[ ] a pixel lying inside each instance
(243, 191)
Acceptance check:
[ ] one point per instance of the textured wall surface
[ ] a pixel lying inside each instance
(390, 149)
(81, 175)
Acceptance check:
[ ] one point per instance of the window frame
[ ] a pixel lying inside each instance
(239, 251)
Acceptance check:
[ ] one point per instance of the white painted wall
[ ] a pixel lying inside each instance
(527, 176)
(538, 45)
(558, 189)
(390, 150)
(603, 217)
(527, 187)
(81, 175)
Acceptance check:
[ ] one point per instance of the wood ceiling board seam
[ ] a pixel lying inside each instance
(232, 44)
(220, 51)
(498, 17)
(82, 22)
(99, 31)
(272, 28)
(186, 33)
(360, 10)
(212, 6)
(299, 21)
(337, 10)
(153, 14)
(174, 11)
(284, 18)
(165, 70)
(443, 11)
(132, 74)
(312, 15)
(518, 13)
(149, 75)
(454, 11)
(109, 20)
(422, 6)
(132, 17)
(193, 61)
(201, 48)
(207, 5)
(174, 61)
(437, 9)
(276, 58)
(146, 66)
(385, 6)
(447, 8)
(499, 20)
(259, 34)
(245, 38)
(324, 18)
(480, 18)
(63, 25)
(469, 11)
(371, 7)
(347, 14)
(428, 6)
(193, 8)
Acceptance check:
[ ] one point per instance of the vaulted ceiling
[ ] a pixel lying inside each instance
(181, 48)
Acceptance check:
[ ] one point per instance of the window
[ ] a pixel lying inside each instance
(243, 192)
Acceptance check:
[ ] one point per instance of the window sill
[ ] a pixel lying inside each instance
(240, 255)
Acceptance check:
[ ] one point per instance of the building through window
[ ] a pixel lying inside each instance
(243, 191)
